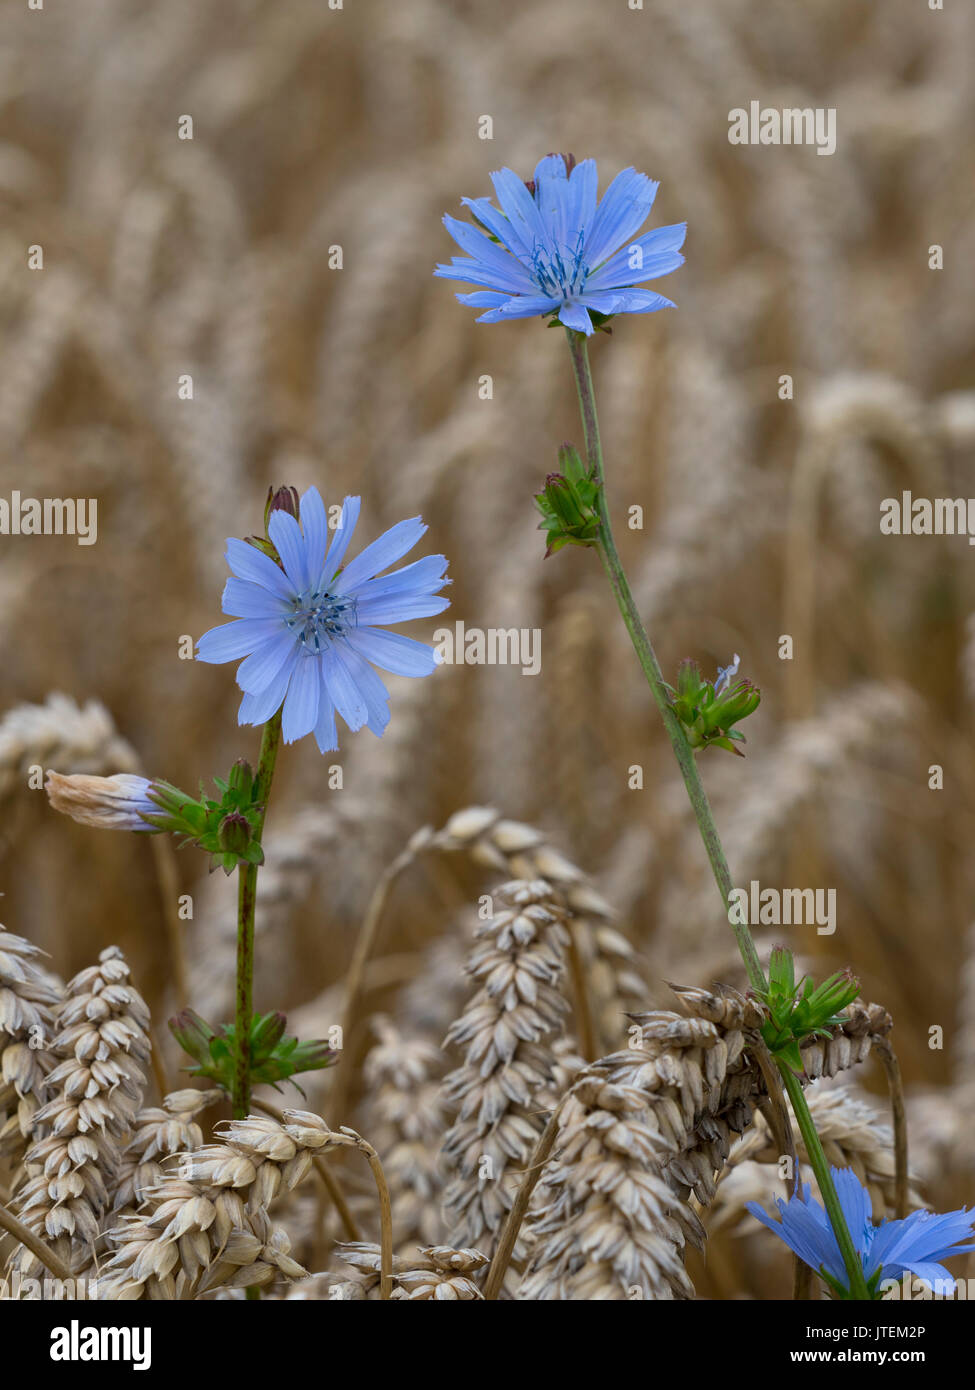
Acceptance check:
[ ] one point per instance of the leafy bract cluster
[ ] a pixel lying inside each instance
(803, 1009)
(274, 1056)
(228, 829)
(710, 711)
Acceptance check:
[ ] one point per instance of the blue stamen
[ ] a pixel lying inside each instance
(320, 617)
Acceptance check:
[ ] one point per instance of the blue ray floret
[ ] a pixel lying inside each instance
(311, 629)
(915, 1244)
(554, 248)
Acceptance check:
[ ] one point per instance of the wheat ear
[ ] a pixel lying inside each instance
(507, 1030)
(101, 1046)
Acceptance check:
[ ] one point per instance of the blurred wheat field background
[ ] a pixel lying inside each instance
(314, 129)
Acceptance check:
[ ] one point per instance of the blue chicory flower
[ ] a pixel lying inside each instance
(916, 1243)
(552, 248)
(725, 674)
(311, 629)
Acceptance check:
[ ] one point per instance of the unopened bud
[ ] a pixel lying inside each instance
(241, 778)
(282, 499)
(193, 1034)
(267, 1030)
(111, 803)
(234, 833)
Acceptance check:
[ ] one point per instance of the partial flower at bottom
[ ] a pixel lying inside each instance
(915, 1244)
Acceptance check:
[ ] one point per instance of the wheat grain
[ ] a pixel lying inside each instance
(94, 1092)
(439, 1274)
(157, 1133)
(507, 1030)
(205, 1223)
(523, 852)
(29, 999)
(406, 1119)
(607, 1226)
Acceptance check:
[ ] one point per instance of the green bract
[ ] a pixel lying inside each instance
(228, 829)
(274, 1056)
(709, 717)
(802, 1010)
(568, 504)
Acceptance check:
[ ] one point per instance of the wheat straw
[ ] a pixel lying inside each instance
(406, 1118)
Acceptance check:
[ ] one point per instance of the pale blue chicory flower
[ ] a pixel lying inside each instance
(312, 631)
(552, 248)
(915, 1244)
(725, 674)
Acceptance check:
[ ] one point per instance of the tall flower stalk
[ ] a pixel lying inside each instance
(311, 626)
(686, 761)
(246, 907)
(608, 553)
(553, 249)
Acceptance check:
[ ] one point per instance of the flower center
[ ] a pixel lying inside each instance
(319, 617)
(559, 271)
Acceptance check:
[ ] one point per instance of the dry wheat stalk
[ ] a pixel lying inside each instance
(507, 1031)
(28, 1001)
(41, 340)
(607, 1222)
(205, 1223)
(659, 1121)
(436, 994)
(852, 1136)
(578, 659)
(964, 1051)
(406, 1118)
(523, 852)
(94, 1093)
(940, 1120)
(440, 1274)
(78, 738)
(157, 1133)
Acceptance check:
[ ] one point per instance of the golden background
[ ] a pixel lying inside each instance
(314, 128)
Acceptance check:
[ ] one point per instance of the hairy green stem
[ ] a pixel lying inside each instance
(820, 1166)
(700, 805)
(648, 660)
(246, 904)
